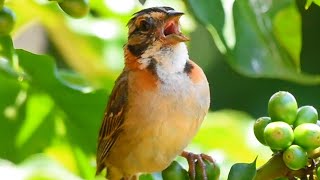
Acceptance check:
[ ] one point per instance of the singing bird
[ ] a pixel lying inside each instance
(158, 102)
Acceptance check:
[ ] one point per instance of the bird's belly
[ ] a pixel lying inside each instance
(162, 141)
(158, 126)
(151, 146)
(155, 132)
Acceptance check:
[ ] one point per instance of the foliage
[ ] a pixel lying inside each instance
(260, 39)
(309, 2)
(51, 105)
(243, 171)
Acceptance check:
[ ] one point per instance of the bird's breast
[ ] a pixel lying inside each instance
(161, 121)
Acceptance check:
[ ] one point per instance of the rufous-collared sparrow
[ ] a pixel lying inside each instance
(158, 102)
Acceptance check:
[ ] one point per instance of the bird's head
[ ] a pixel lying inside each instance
(156, 26)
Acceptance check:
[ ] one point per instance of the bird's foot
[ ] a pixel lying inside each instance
(193, 159)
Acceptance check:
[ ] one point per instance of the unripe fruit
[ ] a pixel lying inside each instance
(283, 106)
(278, 135)
(75, 8)
(307, 136)
(306, 114)
(295, 157)
(7, 21)
(259, 126)
(212, 169)
(175, 171)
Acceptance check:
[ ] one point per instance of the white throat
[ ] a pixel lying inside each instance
(170, 59)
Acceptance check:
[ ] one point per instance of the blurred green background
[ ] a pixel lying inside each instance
(56, 73)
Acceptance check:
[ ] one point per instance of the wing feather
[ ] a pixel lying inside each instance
(113, 120)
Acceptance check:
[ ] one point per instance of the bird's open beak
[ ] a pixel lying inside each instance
(171, 29)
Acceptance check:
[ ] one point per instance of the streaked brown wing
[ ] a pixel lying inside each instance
(113, 120)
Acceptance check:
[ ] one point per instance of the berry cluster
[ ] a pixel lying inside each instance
(291, 131)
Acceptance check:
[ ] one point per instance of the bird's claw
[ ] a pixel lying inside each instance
(193, 159)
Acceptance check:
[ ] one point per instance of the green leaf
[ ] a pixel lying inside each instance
(72, 79)
(37, 130)
(9, 65)
(35, 115)
(6, 58)
(82, 107)
(12, 108)
(259, 38)
(85, 168)
(6, 47)
(146, 177)
(66, 35)
(7, 70)
(243, 171)
(308, 3)
(212, 170)
(212, 20)
(317, 2)
(287, 30)
(175, 171)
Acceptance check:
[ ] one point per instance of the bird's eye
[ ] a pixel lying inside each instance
(144, 25)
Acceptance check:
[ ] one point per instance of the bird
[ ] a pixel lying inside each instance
(158, 102)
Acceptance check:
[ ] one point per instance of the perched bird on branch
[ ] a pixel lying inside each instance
(158, 102)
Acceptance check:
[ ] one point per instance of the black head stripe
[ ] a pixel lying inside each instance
(137, 49)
